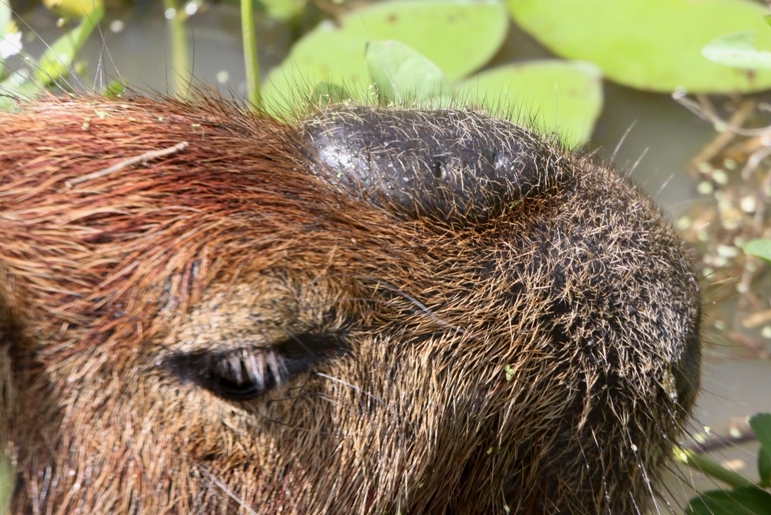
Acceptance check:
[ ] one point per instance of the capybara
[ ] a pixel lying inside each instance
(367, 310)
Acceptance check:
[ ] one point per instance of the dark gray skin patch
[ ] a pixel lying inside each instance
(456, 165)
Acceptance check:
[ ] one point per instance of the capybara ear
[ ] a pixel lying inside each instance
(457, 166)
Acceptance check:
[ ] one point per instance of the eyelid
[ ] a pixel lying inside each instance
(248, 372)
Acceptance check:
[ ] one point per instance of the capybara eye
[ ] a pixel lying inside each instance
(248, 372)
(245, 374)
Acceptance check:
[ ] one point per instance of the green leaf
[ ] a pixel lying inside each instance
(457, 35)
(113, 90)
(18, 86)
(736, 50)
(401, 74)
(711, 468)
(761, 426)
(6, 483)
(57, 60)
(73, 8)
(759, 248)
(740, 501)
(549, 95)
(5, 17)
(5, 20)
(281, 9)
(764, 467)
(327, 93)
(649, 44)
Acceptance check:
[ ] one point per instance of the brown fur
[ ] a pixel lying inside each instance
(543, 358)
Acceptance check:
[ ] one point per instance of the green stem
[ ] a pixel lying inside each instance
(6, 484)
(180, 65)
(250, 54)
(711, 468)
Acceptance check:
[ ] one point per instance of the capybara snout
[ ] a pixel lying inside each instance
(369, 310)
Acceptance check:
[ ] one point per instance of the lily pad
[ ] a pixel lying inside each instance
(457, 35)
(549, 96)
(401, 74)
(326, 93)
(649, 44)
(736, 50)
(759, 248)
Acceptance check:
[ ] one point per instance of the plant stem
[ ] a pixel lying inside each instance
(180, 65)
(250, 54)
(6, 484)
(711, 468)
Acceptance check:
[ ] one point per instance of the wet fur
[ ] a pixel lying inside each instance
(544, 358)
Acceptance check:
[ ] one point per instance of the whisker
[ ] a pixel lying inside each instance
(226, 490)
(353, 387)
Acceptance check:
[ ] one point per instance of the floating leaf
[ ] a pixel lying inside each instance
(649, 44)
(327, 93)
(736, 50)
(57, 60)
(401, 74)
(739, 501)
(551, 96)
(457, 35)
(759, 248)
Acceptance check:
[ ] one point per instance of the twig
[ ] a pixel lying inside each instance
(706, 112)
(723, 138)
(142, 158)
(740, 433)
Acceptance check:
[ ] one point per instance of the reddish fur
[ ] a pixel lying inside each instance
(104, 279)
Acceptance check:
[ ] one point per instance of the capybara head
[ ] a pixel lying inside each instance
(370, 310)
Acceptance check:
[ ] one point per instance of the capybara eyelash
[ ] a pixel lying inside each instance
(248, 372)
